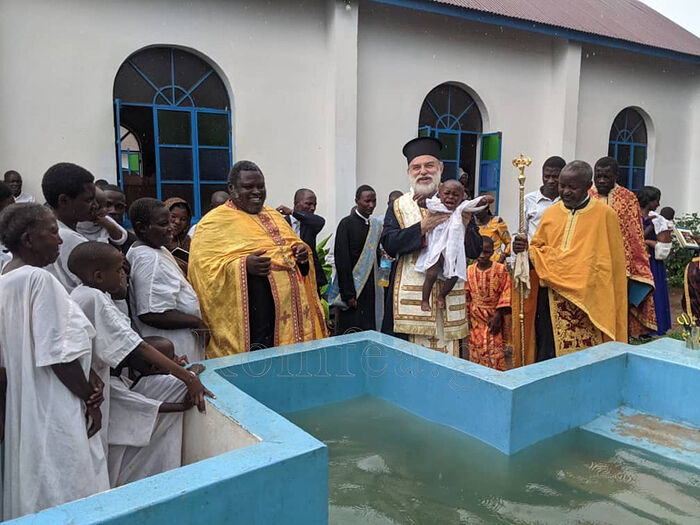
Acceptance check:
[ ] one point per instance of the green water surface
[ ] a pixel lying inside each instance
(388, 466)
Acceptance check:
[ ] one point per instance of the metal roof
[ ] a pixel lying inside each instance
(628, 20)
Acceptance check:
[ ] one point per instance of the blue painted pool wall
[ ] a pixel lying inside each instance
(297, 380)
(281, 479)
(662, 388)
(556, 403)
(438, 391)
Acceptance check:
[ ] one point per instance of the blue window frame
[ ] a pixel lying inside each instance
(450, 114)
(628, 144)
(177, 105)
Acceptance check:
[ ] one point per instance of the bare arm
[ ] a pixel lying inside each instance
(195, 389)
(172, 320)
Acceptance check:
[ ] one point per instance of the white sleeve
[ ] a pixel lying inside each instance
(114, 339)
(153, 288)
(662, 250)
(121, 240)
(61, 331)
(132, 416)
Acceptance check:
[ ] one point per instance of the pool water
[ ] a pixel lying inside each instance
(388, 466)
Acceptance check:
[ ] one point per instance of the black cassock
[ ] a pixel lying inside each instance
(397, 242)
(261, 310)
(350, 238)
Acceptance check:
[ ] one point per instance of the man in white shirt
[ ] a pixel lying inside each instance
(538, 201)
(14, 180)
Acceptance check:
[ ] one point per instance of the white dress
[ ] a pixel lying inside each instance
(94, 232)
(59, 269)
(143, 442)
(113, 342)
(157, 285)
(447, 239)
(47, 454)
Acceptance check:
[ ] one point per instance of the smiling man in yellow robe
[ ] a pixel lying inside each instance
(251, 273)
(579, 256)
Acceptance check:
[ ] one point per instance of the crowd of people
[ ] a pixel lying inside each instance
(102, 325)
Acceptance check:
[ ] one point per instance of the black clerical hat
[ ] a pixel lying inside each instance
(422, 146)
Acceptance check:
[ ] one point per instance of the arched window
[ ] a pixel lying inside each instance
(451, 114)
(175, 108)
(628, 144)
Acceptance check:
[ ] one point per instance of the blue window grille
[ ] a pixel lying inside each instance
(450, 114)
(628, 144)
(177, 107)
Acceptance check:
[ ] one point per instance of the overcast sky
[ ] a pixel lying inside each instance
(685, 13)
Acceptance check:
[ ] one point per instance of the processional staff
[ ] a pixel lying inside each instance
(521, 275)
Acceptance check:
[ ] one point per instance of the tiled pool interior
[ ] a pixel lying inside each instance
(645, 396)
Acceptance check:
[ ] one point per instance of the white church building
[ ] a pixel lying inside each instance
(162, 96)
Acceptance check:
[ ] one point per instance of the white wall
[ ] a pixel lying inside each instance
(403, 54)
(318, 91)
(612, 80)
(58, 61)
(211, 434)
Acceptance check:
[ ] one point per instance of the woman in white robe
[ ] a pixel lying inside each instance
(47, 452)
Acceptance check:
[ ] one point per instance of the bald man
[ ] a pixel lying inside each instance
(578, 254)
(307, 225)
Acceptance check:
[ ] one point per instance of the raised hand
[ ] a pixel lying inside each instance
(519, 243)
(301, 254)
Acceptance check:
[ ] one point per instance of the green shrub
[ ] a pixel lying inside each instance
(322, 250)
(680, 257)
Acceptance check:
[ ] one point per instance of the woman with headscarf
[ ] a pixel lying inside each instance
(649, 198)
(180, 219)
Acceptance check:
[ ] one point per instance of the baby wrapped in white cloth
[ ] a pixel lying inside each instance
(444, 256)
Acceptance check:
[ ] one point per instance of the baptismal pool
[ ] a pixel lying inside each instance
(365, 428)
(388, 467)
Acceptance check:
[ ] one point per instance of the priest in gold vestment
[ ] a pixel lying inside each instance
(579, 256)
(642, 313)
(406, 224)
(251, 273)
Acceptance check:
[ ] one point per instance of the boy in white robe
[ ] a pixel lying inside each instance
(45, 346)
(70, 191)
(102, 228)
(444, 257)
(100, 267)
(146, 422)
(163, 303)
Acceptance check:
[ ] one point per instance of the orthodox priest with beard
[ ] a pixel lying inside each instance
(406, 224)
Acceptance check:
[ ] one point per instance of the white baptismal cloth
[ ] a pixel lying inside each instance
(447, 239)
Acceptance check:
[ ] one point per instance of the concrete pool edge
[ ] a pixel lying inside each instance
(507, 410)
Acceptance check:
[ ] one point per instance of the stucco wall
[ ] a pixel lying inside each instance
(664, 90)
(403, 54)
(317, 90)
(58, 61)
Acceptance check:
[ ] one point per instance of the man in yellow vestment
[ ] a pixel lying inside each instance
(642, 314)
(578, 254)
(251, 272)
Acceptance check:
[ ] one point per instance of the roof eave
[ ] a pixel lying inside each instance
(537, 27)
